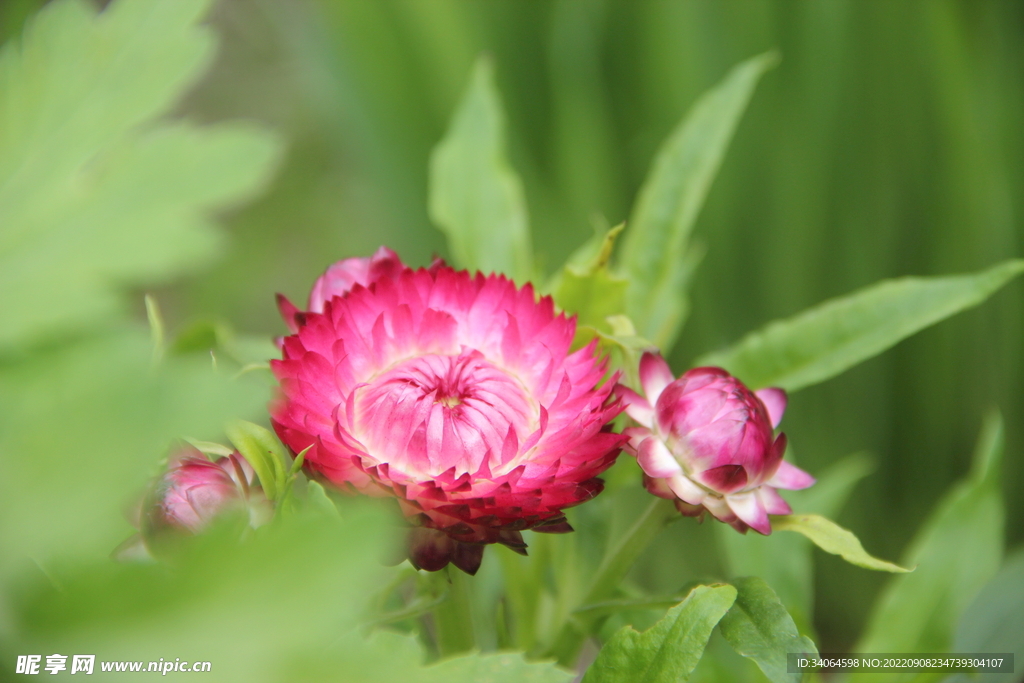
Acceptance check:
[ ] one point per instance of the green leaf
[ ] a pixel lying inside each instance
(656, 257)
(264, 452)
(83, 426)
(385, 657)
(669, 650)
(957, 551)
(624, 346)
(476, 198)
(994, 621)
(317, 499)
(500, 667)
(834, 539)
(832, 337)
(91, 196)
(246, 607)
(759, 627)
(609, 607)
(785, 560)
(587, 288)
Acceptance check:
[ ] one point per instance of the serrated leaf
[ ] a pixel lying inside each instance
(832, 337)
(759, 627)
(957, 551)
(656, 258)
(834, 539)
(92, 198)
(476, 197)
(668, 651)
(264, 452)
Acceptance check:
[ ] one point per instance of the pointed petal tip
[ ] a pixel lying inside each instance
(655, 375)
(774, 400)
(468, 556)
(750, 511)
(790, 477)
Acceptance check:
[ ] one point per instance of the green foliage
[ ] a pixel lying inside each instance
(244, 607)
(81, 429)
(264, 452)
(585, 285)
(785, 561)
(956, 552)
(834, 539)
(759, 627)
(84, 166)
(99, 190)
(828, 339)
(656, 255)
(476, 198)
(669, 650)
(385, 657)
(994, 621)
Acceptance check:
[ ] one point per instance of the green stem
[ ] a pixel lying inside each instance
(453, 617)
(522, 591)
(616, 564)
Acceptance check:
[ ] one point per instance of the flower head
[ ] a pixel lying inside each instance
(456, 394)
(708, 442)
(194, 491)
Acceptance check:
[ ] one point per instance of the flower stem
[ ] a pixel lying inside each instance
(617, 562)
(453, 617)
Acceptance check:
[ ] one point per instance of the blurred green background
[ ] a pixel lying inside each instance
(888, 142)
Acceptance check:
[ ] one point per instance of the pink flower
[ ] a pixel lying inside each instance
(457, 395)
(708, 443)
(195, 490)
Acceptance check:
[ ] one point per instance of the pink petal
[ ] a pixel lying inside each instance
(724, 479)
(659, 488)
(790, 477)
(720, 509)
(656, 460)
(773, 502)
(774, 401)
(655, 375)
(637, 407)
(687, 491)
(292, 316)
(636, 436)
(750, 510)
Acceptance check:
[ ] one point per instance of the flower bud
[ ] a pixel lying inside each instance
(194, 491)
(708, 442)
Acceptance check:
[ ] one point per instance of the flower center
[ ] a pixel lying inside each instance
(434, 412)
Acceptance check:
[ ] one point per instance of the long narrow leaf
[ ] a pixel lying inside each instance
(655, 250)
(476, 198)
(832, 337)
(957, 551)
